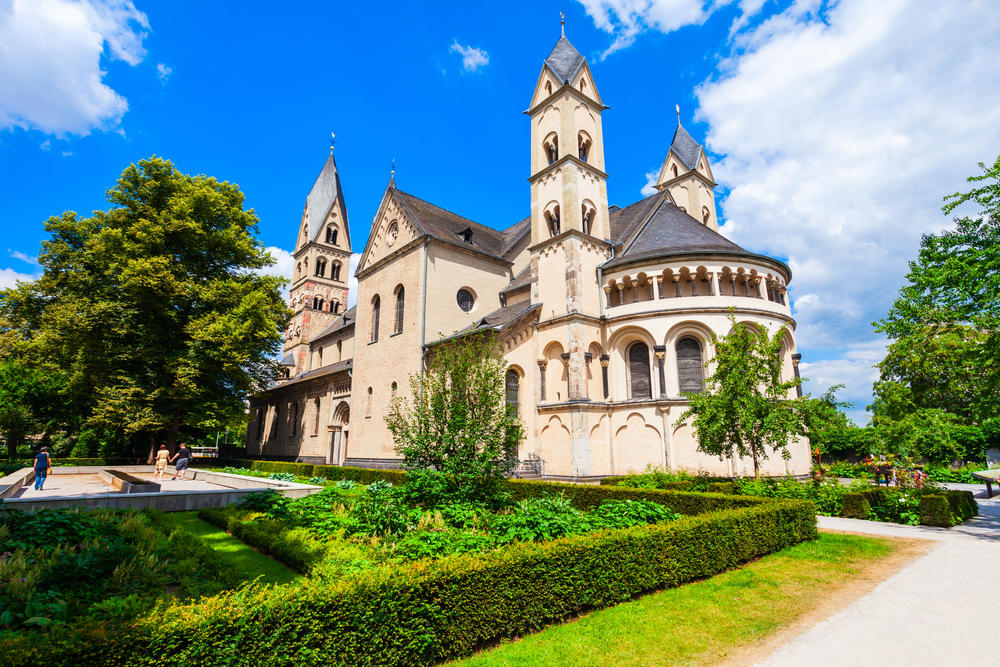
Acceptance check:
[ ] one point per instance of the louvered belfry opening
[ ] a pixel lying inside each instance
(638, 371)
(690, 367)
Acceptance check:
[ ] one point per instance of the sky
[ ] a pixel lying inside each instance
(834, 128)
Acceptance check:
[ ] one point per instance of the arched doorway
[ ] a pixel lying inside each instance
(338, 434)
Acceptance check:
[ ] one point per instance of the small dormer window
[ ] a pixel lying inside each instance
(466, 235)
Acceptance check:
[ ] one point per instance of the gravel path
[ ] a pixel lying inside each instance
(935, 611)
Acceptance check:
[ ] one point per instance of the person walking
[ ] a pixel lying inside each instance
(43, 466)
(182, 459)
(162, 457)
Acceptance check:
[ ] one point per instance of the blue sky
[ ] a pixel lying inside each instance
(834, 129)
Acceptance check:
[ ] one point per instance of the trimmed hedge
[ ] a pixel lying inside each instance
(429, 611)
(360, 475)
(293, 547)
(721, 487)
(856, 506)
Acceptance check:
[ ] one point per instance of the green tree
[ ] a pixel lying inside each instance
(155, 308)
(457, 422)
(825, 421)
(745, 409)
(25, 394)
(945, 323)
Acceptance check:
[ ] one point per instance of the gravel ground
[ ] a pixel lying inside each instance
(935, 611)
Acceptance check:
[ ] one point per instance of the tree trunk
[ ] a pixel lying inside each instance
(152, 449)
(756, 465)
(172, 431)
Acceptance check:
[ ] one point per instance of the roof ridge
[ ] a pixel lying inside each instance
(492, 230)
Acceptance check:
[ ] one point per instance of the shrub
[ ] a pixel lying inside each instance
(428, 612)
(359, 475)
(721, 487)
(935, 511)
(856, 506)
(282, 476)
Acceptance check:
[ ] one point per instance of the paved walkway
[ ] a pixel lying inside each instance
(938, 610)
(88, 484)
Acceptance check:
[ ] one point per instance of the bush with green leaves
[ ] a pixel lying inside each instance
(282, 476)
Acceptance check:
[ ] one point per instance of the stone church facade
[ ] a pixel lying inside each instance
(604, 313)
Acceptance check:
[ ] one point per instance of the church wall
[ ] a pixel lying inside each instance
(450, 269)
(393, 358)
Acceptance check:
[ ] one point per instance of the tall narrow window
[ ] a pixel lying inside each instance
(368, 403)
(261, 412)
(705, 214)
(335, 271)
(551, 147)
(376, 306)
(513, 387)
(552, 220)
(674, 169)
(321, 267)
(690, 367)
(399, 309)
(638, 371)
(583, 145)
(295, 418)
(316, 416)
(588, 218)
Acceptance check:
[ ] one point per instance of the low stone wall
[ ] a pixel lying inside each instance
(235, 488)
(126, 483)
(14, 482)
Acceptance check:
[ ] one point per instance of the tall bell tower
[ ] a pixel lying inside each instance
(569, 196)
(318, 293)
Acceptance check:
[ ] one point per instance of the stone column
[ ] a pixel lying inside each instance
(668, 437)
(796, 358)
(604, 374)
(694, 283)
(607, 293)
(711, 283)
(542, 363)
(569, 391)
(657, 287)
(587, 358)
(661, 352)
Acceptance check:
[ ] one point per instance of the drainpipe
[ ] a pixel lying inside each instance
(423, 321)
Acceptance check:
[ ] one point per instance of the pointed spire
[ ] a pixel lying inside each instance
(684, 145)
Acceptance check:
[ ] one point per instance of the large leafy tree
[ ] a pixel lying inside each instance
(945, 324)
(154, 309)
(745, 409)
(457, 421)
(26, 397)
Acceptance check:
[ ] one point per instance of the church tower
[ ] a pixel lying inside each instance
(569, 197)
(687, 176)
(318, 293)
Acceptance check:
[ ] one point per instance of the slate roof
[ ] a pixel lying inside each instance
(686, 148)
(325, 193)
(564, 60)
(624, 221)
(655, 226)
(447, 226)
(346, 320)
(515, 233)
(289, 360)
(522, 279)
(498, 320)
(332, 369)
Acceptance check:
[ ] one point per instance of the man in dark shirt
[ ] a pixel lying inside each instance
(181, 460)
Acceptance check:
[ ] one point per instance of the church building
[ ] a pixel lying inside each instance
(604, 313)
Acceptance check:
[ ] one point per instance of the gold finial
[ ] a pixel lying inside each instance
(392, 172)
(562, 23)
(332, 138)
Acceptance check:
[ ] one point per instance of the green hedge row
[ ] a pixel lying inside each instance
(426, 612)
(946, 508)
(360, 475)
(293, 547)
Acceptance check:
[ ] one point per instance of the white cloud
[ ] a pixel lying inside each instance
(352, 280)
(24, 257)
(51, 77)
(45, 145)
(472, 58)
(840, 130)
(9, 278)
(283, 265)
(650, 186)
(163, 72)
(625, 19)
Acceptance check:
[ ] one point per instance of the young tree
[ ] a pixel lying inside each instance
(457, 421)
(945, 324)
(155, 308)
(745, 409)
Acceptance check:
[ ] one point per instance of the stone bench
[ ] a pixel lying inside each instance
(991, 477)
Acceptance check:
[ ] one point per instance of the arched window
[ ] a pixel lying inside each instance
(335, 271)
(588, 218)
(334, 307)
(316, 416)
(548, 87)
(690, 367)
(321, 267)
(399, 309)
(513, 387)
(705, 214)
(583, 142)
(376, 306)
(551, 147)
(298, 269)
(674, 169)
(331, 235)
(552, 220)
(638, 371)
(318, 303)
(368, 403)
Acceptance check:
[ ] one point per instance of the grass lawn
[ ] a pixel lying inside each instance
(707, 621)
(238, 555)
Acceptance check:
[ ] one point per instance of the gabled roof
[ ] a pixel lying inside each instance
(522, 279)
(326, 192)
(685, 147)
(332, 369)
(625, 221)
(447, 226)
(498, 320)
(343, 322)
(564, 60)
